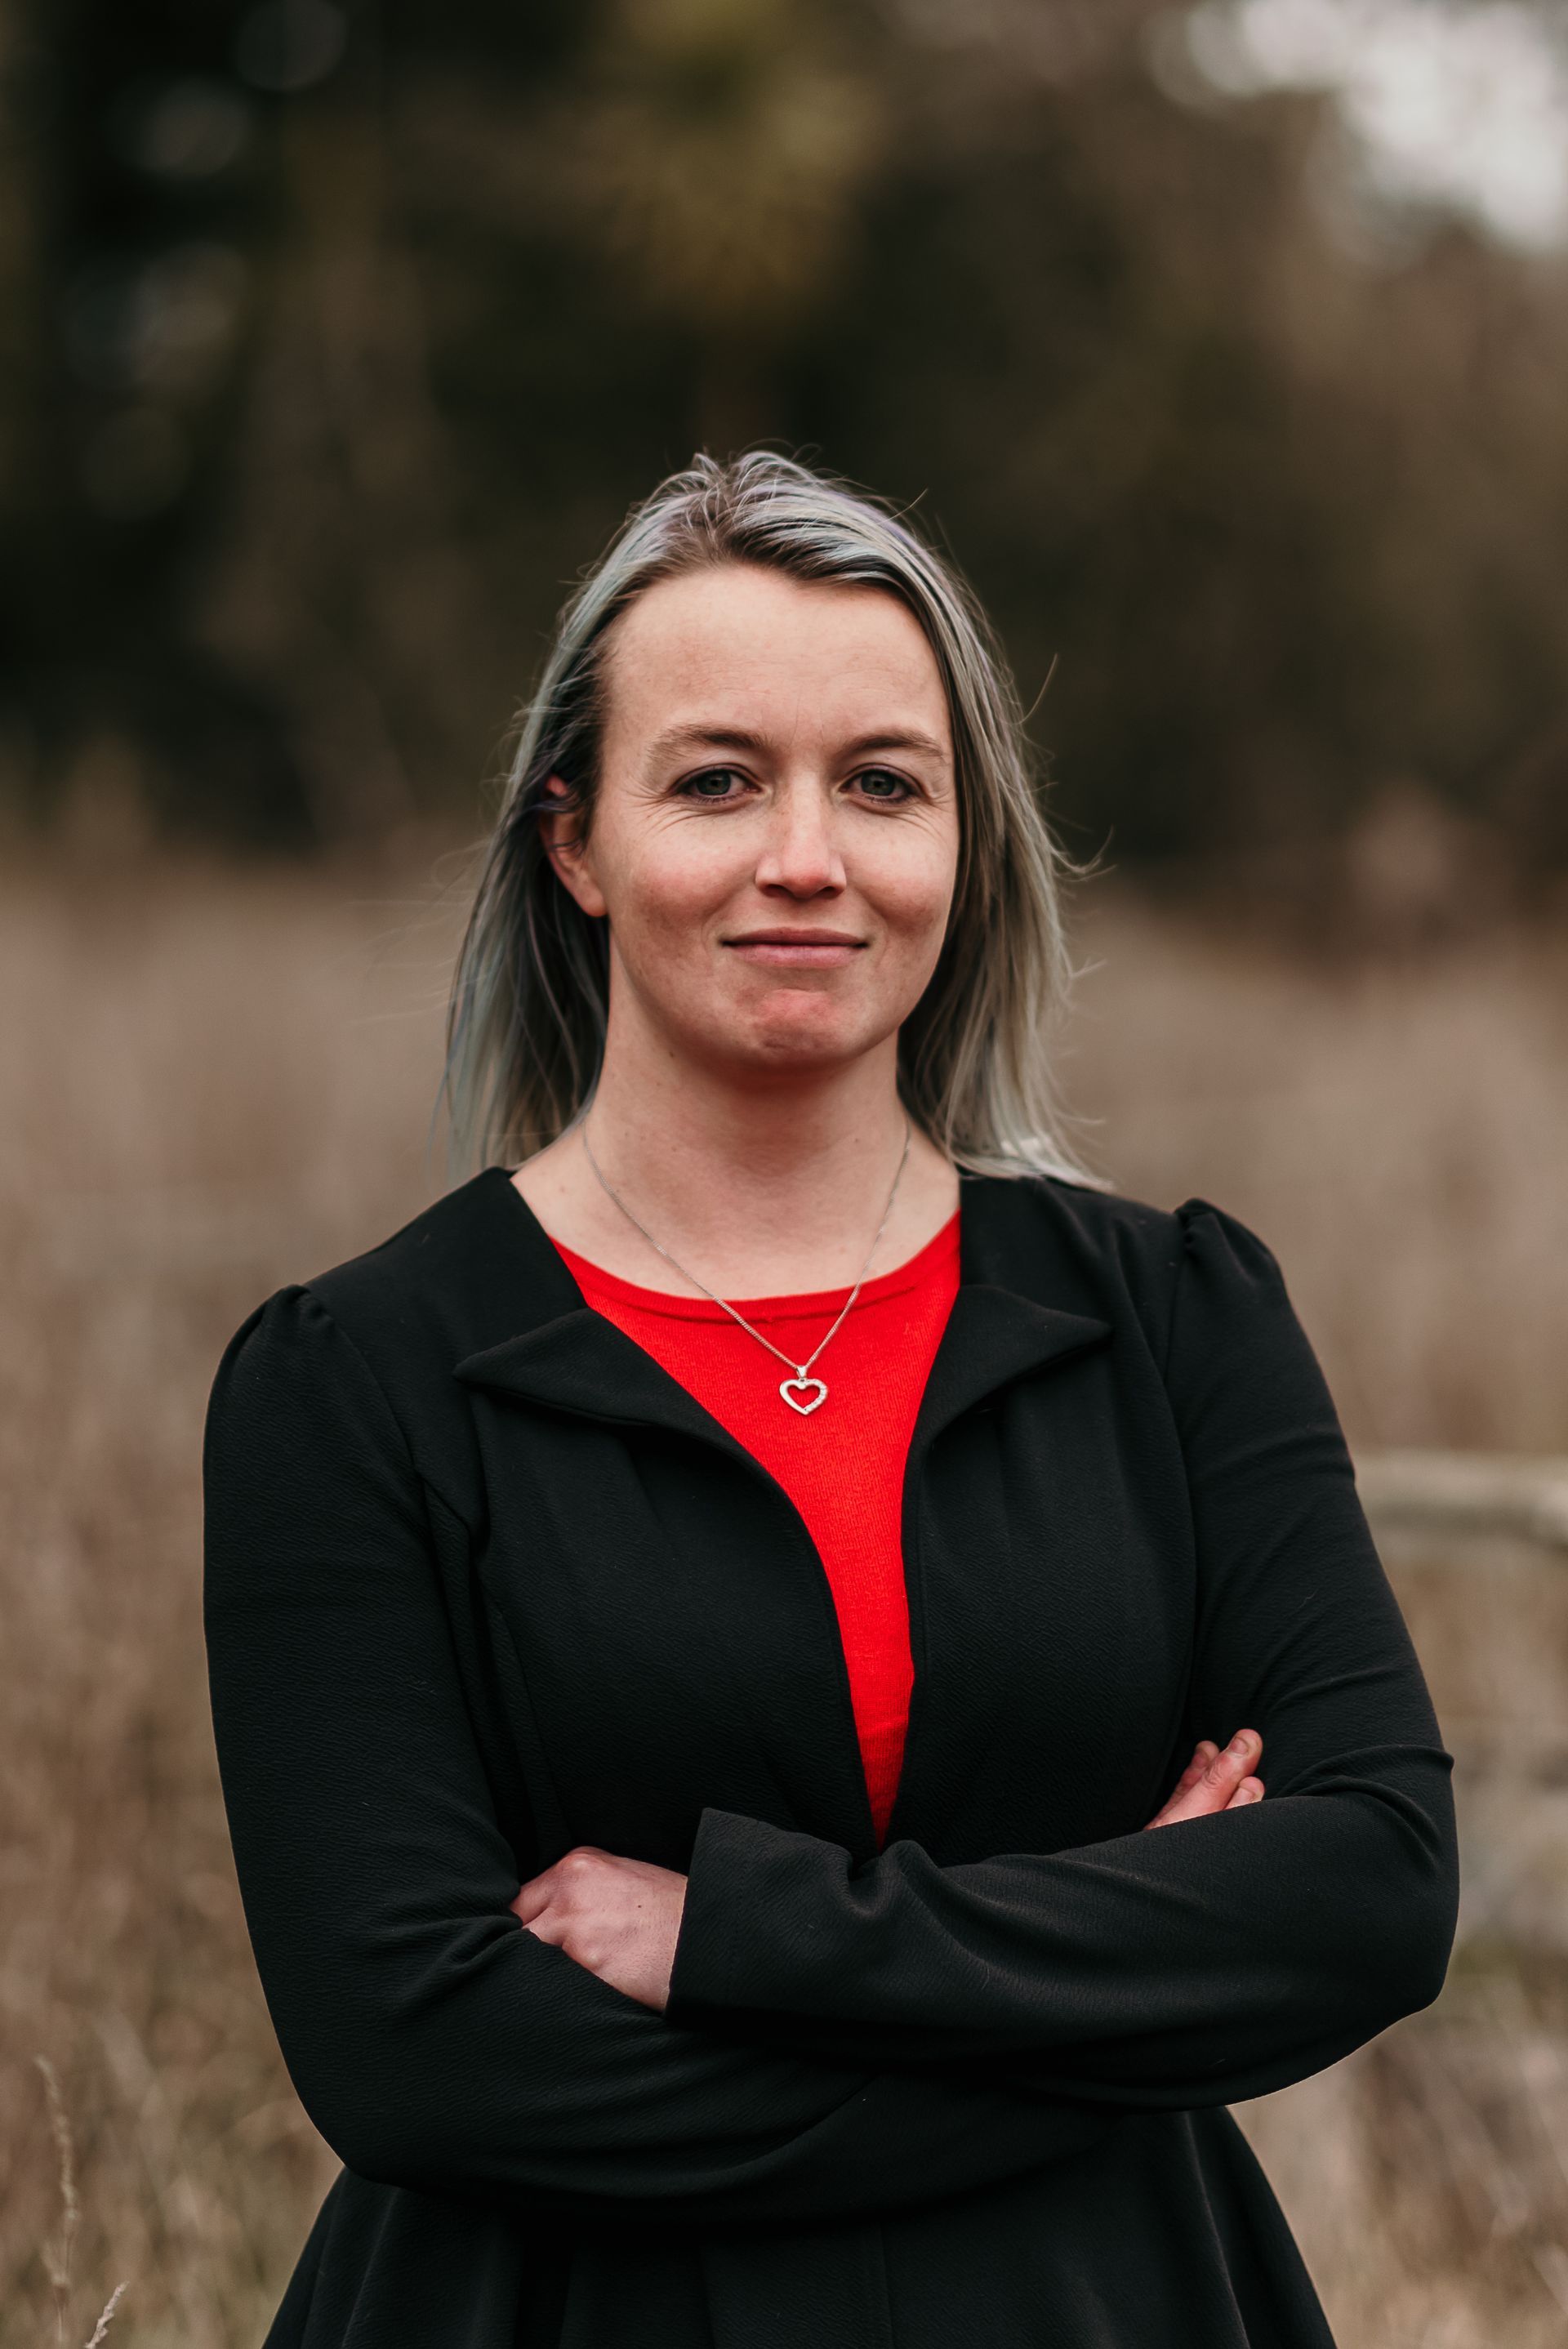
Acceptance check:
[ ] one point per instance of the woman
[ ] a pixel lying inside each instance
(700, 1619)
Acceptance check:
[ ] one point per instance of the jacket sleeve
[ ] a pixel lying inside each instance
(1197, 1963)
(434, 2043)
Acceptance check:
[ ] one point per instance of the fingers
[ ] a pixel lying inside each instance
(1203, 1753)
(558, 1893)
(1251, 1790)
(618, 1917)
(533, 1899)
(1212, 1780)
(552, 1885)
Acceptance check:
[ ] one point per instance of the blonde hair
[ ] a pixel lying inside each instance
(526, 1020)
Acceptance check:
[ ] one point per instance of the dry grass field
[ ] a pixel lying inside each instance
(212, 1083)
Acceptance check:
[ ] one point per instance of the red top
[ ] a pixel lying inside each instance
(843, 1465)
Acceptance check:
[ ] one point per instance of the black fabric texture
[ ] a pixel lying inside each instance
(483, 1582)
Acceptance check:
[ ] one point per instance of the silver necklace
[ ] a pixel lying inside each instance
(802, 1392)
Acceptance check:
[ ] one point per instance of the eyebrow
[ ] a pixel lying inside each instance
(741, 738)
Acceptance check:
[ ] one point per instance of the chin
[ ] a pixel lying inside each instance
(805, 1029)
(803, 1044)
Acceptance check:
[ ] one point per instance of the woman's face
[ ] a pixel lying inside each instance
(774, 838)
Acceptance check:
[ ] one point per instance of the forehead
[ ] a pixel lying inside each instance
(735, 643)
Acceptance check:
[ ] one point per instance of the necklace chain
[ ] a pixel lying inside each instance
(803, 1378)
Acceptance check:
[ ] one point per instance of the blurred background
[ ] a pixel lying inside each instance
(1225, 346)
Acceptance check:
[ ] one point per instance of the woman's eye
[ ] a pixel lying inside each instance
(882, 783)
(713, 783)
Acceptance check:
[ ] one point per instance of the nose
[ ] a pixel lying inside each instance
(800, 857)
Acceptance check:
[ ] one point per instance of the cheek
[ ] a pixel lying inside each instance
(910, 887)
(670, 883)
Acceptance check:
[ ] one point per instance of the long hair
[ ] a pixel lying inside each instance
(526, 1019)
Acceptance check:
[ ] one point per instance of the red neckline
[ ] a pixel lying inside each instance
(907, 1275)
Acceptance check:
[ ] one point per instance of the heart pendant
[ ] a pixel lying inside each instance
(803, 1394)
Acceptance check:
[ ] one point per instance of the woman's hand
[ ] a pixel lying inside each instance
(618, 1917)
(1213, 1781)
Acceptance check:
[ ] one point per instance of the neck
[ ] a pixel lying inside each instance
(758, 1188)
(802, 1164)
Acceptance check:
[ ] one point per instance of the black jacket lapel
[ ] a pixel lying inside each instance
(568, 1358)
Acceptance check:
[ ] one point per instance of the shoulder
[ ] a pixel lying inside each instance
(1099, 1251)
(467, 1270)
(473, 1268)
(434, 1275)
(1135, 1230)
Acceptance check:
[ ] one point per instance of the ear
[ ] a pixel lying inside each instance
(568, 851)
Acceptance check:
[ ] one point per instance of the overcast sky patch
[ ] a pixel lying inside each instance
(1462, 107)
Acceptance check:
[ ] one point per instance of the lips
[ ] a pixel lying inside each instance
(790, 949)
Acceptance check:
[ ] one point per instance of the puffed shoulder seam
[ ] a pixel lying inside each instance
(301, 1290)
(1211, 1231)
(1239, 1237)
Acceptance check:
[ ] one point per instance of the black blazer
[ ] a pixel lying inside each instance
(484, 1582)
